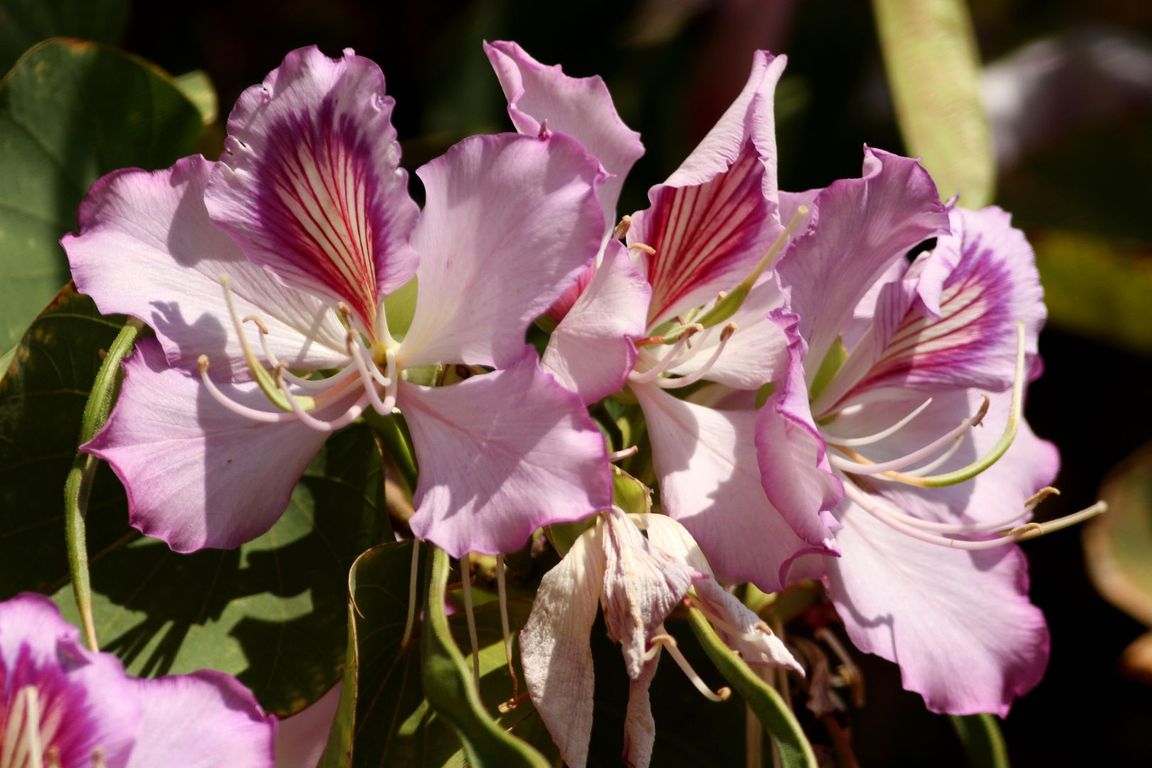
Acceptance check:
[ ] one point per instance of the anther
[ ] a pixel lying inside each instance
(622, 227)
(622, 454)
(1033, 530)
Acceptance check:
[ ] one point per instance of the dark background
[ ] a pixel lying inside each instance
(1086, 166)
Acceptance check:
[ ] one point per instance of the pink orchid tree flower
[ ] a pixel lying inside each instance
(904, 363)
(652, 315)
(638, 581)
(264, 276)
(62, 705)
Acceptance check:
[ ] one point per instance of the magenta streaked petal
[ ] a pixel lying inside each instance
(197, 474)
(749, 118)
(641, 587)
(959, 624)
(555, 647)
(578, 106)
(202, 720)
(509, 223)
(500, 455)
(85, 700)
(710, 483)
(707, 236)
(859, 227)
(591, 351)
(310, 183)
(147, 248)
(953, 324)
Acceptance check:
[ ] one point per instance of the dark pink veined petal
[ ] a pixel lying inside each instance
(578, 106)
(749, 118)
(147, 248)
(859, 227)
(958, 623)
(591, 350)
(509, 223)
(951, 321)
(710, 483)
(556, 651)
(707, 236)
(197, 474)
(202, 720)
(86, 694)
(501, 455)
(310, 183)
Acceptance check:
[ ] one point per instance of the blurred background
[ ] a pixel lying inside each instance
(1068, 88)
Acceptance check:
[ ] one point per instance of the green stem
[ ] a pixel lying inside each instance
(78, 487)
(396, 441)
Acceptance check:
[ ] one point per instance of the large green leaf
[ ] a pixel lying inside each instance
(42, 397)
(24, 23)
(934, 73)
(273, 612)
(71, 111)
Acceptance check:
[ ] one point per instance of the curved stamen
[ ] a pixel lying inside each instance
(876, 437)
(321, 425)
(265, 417)
(670, 359)
(259, 372)
(703, 370)
(878, 508)
(668, 643)
(1011, 427)
(884, 468)
(935, 464)
(370, 376)
(624, 453)
(1032, 530)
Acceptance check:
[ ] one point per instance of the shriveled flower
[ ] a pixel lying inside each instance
(688, 299)
(63, 706)
(638, 581)
(307, 222)
(905, 363)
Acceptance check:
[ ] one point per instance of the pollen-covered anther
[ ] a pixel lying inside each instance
(622, 227)
(668, 643)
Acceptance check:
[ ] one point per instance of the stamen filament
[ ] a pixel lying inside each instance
(855, 442)
(670, 359)
(264, 417)
(1015, 416)
(1032, 530)
(878, 508)
(668, 643)
(259, 372)
(466, 586)
(703, 370)
(936, 463)
(320, 425)
(299, 381)
(624, 453)
(410, 621)
(370, 376)
(502, 593)
(866, 467)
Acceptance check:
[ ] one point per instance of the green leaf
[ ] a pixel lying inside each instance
(42, 398)
(1096, 286)
(934, 72)
(71, 111)
(198, 89)
(982, 740)
(450, 691)
(273, 612)
(23, 23)
(762, 698)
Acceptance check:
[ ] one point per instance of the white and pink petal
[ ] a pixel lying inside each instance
(509, 223)
(198, 474)
(501, 455)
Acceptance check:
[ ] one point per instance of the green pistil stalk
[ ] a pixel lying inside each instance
(1015, 416)
(728, 303)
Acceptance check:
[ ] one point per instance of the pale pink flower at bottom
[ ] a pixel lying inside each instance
(638, 581)
(62, 705)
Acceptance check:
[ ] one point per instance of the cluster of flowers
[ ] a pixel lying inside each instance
(812, 371)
